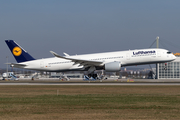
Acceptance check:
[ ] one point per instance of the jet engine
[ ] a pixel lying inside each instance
(112, 66)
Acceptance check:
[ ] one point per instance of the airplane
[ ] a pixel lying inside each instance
(108, 61)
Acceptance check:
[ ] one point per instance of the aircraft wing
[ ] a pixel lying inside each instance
(79, 61)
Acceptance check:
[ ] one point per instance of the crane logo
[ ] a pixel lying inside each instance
(17, 51)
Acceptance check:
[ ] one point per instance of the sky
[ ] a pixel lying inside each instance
(87, 26)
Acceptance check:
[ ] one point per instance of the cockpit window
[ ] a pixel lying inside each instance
(169, 53)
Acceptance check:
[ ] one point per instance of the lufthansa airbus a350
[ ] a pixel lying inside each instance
(108, 61)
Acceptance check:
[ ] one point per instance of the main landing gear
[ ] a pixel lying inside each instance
(94, 76)
(91, 77)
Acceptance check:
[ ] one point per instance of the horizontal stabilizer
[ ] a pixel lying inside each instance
(18, 65)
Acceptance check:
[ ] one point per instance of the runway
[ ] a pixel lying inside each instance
(75, 81)
(97, 84)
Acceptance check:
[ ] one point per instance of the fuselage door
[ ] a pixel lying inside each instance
(158, 54)
(42, 64)
(127, 56)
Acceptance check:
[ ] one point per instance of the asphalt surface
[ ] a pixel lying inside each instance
(121, 82)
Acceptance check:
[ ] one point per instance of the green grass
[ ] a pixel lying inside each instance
(90, 102)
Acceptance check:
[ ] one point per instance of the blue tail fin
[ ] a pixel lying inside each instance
(18, 52)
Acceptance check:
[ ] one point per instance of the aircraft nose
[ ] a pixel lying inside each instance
(174, 57)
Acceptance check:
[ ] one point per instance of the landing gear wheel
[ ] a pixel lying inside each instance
(94, 76)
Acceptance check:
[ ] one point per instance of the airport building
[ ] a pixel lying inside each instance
(169, 70)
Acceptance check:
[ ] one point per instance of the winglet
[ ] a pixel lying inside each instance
(66, 54)
(56, 55)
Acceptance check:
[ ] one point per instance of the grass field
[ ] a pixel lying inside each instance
(89, 102)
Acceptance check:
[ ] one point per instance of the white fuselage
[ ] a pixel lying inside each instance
(126, 58)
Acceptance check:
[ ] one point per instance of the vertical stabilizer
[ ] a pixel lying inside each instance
(18, 52)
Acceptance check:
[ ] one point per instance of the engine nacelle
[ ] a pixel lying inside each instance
(112, 66)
